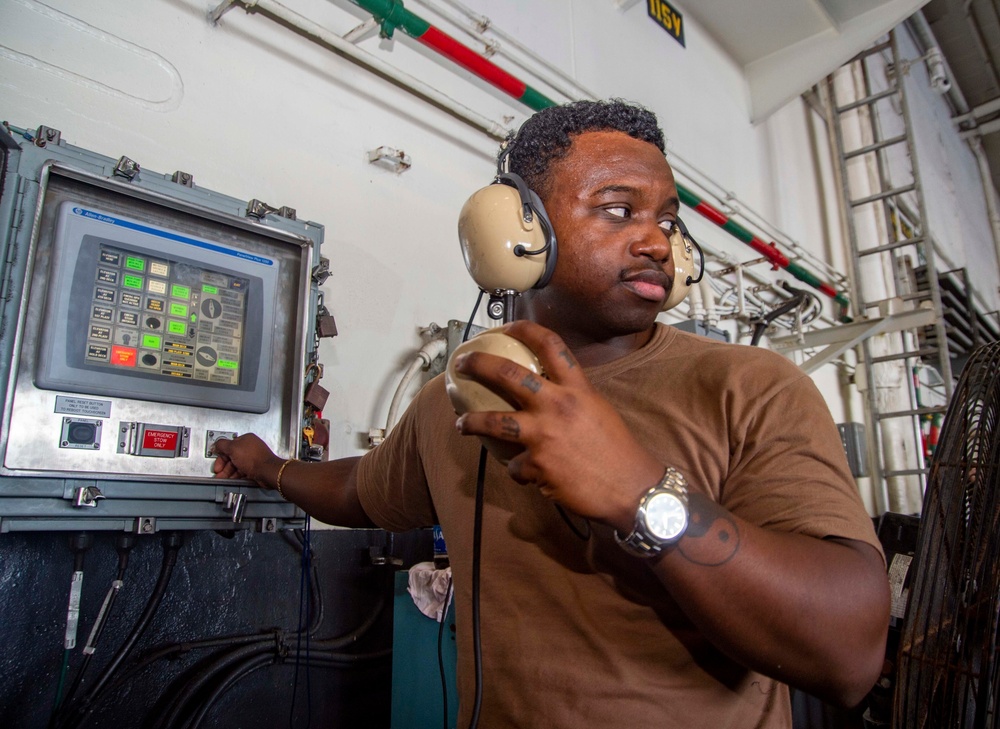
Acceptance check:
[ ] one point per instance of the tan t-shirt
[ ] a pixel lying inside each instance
(576, 633)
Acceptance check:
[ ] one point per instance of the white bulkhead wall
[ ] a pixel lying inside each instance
(254, 110)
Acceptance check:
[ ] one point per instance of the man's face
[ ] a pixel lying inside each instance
(612, 201)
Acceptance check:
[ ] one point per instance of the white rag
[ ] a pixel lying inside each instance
(429, 588)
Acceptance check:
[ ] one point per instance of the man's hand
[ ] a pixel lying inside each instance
(246, 456)
(578, 451)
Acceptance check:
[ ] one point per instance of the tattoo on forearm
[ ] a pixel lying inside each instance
(509, 427)
(712, 537)
(532, 383)
(570, 362)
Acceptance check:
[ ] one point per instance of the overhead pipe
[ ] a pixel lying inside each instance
(925, 40)
(373, 63)
(392, 15)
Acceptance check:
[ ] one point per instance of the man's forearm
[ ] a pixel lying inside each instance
(810, 612)
(326, 491)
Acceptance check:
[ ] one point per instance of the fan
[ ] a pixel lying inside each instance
(948, 673)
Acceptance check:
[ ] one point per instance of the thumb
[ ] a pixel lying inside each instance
(222, 447)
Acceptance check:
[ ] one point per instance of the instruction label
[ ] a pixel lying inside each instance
(83, 406)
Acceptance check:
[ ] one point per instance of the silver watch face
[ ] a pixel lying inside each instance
(666, 516)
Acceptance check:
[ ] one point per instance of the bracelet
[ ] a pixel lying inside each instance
(277, 482)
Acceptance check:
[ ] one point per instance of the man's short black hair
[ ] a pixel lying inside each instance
(547, 135)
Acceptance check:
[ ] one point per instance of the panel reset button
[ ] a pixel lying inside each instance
(80, 433)
(155, 441)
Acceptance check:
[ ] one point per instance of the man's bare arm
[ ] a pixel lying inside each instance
(326, 491)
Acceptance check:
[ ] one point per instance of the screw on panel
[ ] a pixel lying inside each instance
(183, 178)
(146, 525)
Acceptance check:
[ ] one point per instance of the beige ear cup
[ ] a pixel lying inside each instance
(490, 227)
(467, 395)
(682, 254)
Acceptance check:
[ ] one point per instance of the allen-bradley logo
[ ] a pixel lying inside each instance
(83, 212)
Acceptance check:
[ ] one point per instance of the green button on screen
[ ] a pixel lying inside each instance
(180, 292)
(132, 282)
(176, 327)
(210, 289)
(226, 364)
(151, 341)
(135, 263)
(178, 309)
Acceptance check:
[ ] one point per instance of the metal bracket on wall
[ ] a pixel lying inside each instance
(839, 339)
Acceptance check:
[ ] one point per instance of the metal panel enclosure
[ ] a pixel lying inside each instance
(141, 319)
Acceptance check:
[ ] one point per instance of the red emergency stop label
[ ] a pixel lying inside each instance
(160, 440)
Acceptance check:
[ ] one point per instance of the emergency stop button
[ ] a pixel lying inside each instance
(155, 441)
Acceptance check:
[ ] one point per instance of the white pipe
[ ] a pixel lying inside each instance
(427, 354)
(922, 34)
(443, 101)
(989, 191)
(696, 310)
(708, 299)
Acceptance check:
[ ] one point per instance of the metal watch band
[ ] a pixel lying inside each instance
(639, 543)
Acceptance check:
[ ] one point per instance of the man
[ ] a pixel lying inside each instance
(778, 577)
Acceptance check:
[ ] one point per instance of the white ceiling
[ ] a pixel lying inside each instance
(786, 46)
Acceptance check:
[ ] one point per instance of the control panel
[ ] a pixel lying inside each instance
(149, 319)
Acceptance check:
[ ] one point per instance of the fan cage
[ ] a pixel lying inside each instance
(947, 672)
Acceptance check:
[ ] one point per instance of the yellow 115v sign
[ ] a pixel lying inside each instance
(667, 18)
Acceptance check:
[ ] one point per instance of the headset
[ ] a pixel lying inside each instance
(509, 245)
(507, 239)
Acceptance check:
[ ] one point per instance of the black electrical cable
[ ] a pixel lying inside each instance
(79, 715)
(760, 326)
(338, 660)
(169, 718)
(477, 544)
(303, 588)
(79, 544)
(468, 325)
(273, 645)
(297, 540)
(123, 545)
(173, 650)
(444, 618)
(444, 682)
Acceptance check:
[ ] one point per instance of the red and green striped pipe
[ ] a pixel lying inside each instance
(768, 250)
(391, 15)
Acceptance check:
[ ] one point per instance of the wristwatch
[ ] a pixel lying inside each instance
(661, 519)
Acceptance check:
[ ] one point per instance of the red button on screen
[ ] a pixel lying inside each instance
(123, 356)
(160, 440)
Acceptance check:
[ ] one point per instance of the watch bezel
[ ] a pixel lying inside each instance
(641, 542)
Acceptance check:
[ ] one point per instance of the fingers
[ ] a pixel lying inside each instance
(222, 447)
(222, 467)
(556, 359)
